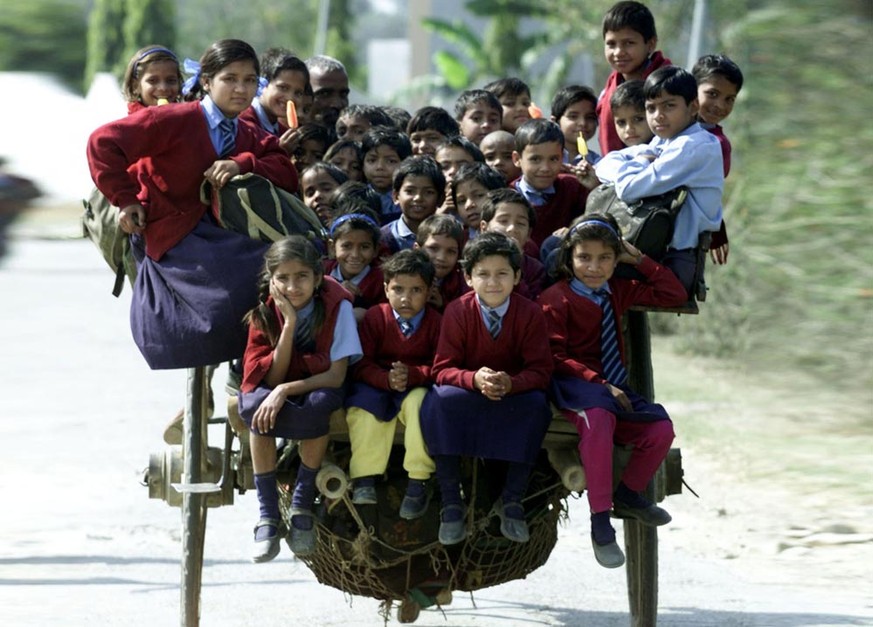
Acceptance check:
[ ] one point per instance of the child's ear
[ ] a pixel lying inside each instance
(516, 158)
(331, 249)
(394, 195)
(517, 277)
(468, 279)
(652, 44)
(694, 106)
(483, 226)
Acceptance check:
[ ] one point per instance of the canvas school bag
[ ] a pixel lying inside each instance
(100, 225)
(646, 223)
(251, 205)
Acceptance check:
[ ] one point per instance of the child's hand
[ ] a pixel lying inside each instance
(620, 396)
(491, 383)
(584, 173)
(265, 415)
(630, 254)
(220, 172)
(290, 141)
(352, 288)
(560, 233)
(434, 297)
(285, 307)
(398, 376)
(719, 255)
(132, 219)
(448, 206)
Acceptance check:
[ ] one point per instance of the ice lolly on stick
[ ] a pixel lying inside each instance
(163, 101)
(291, 114)
(535, 111)
(582, 145)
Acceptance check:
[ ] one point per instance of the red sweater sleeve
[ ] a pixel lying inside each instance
(531, 333)
(260, 153)
(448, 361)
(660, 289)
(257, 359)
(557, 311)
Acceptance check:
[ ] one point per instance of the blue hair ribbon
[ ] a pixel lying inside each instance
(607, 225)
(262, 85)
(352, 216)
(192, 67)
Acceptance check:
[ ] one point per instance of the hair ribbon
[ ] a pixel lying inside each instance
(352, 216)
(262, 85)
(192, 67)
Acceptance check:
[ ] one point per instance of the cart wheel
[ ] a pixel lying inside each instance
(194, 444)
(408, 611)
(641, 547)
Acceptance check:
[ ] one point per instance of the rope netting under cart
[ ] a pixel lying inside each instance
(370, 551)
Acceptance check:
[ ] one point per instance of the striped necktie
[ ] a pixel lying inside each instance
(493, 323)
(405, 327)
(226, 137)
(302, 333)
(610, 357)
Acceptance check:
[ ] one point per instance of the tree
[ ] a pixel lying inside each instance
(44, 36)
(105, 43)
(148, 22)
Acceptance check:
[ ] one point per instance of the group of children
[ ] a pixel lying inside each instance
(432, 304)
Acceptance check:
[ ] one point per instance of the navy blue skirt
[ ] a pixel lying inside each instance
(457, 421)
(576, 394)
(303, 417)
(187, 308)
(384, 404)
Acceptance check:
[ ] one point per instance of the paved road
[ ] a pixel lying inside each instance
(81, 544)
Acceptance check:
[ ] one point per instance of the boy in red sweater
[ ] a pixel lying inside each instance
(398, 338)
(491, 368)
(629, 42)
(557, 198)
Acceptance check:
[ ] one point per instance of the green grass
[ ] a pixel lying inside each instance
(797, 295)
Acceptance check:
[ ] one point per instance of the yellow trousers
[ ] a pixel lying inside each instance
(372, 439)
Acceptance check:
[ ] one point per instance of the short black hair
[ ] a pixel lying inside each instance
(375, 115)
(433, 119)
(314, 131)
(353, 195)
(673, 80)
(384, 136)
(342, 144)
(411, 261)
(633, 15)
(459, 141)
(721, 65)
(485, 175)
(570, 95)
(420, 165)
(399, 116)
(629, 94)
(488, 244)
(503, 196)
(537, 131)
(276, 60)
(474, 96)
(508, 87)
(328, 168)
(440, 224)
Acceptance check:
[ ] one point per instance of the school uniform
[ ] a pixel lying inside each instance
(575, 318)
(555, 207)
(533, 278)
(195, 280)
(720, 237)
(390, 209)
(451, 287)
(370, 283)
(306, 416)
(606, 135)
(456, 418)
(256, 116)
(397, 236)
(372, 407)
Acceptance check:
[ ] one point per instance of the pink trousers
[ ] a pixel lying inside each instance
(598, 432)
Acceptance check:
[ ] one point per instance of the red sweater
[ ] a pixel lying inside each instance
(608, 138)
(371, 289)
(452, 287)
(533, 277)
(521, 350)
(384, 343)
(258, 356)
(567, 203)
(574, 321)
(171, 149)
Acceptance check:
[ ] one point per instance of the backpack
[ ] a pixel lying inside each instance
(646, 223)
(252, 205)
(100, 225)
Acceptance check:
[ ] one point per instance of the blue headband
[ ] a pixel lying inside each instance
(192, 67)
(152, 51)
(352, 216)
(607, 225)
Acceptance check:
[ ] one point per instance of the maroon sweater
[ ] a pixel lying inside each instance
(384, 343)
(521, 350)
(170, 149)
(372, 287)
(567, 203)
(574, 321)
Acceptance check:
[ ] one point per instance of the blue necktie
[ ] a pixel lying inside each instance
(302, 331)
(493, 323)
(405, 327)
(226, 138)
(613, 369)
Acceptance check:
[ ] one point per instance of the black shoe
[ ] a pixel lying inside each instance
(607, 555)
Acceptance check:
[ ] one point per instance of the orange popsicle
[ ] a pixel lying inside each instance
(291, 114)
(535, 111)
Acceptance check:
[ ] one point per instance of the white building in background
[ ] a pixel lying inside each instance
(44, 129)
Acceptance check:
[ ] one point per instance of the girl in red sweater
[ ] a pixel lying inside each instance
(589, 385)
(152, 75)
